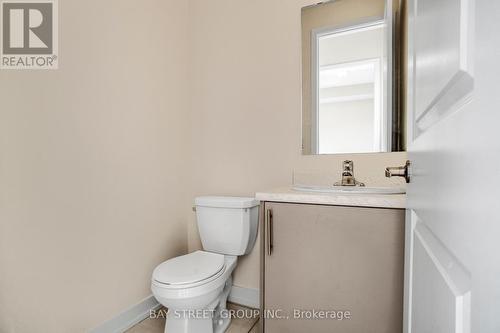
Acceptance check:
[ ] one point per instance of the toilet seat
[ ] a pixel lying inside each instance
(197, 295)
(189, 270)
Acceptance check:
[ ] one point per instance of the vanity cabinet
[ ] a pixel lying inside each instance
(331, 258)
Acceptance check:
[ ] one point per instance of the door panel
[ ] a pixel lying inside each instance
(443, 56)
(441, 283)
(453, 102)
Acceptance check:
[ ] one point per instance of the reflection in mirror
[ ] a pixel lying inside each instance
(349, 103)
(350, 100)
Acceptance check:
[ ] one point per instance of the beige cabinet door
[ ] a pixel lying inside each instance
(333, 258)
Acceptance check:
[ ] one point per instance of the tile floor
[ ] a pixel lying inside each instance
(238, 325)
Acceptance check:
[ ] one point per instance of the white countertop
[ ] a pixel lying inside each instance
(287, 194)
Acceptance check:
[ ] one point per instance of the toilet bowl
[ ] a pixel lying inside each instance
(195, 287)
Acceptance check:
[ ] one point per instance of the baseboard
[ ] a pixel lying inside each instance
(129, 317)
(136, 313)
(244, 296)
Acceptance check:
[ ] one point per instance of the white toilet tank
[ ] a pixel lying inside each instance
(227, 225)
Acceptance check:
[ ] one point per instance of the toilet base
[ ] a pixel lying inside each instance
(198, 325)
(213, 319)
(222, 325)
(176, 324)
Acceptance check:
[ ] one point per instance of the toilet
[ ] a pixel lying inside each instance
(195, 287)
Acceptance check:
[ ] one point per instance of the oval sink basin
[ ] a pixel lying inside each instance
(349, 189)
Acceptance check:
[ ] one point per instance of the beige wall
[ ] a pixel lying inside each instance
(246, 106)
(93, 164)
(100, 160)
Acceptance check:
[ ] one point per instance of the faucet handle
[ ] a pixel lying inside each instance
(347, 165)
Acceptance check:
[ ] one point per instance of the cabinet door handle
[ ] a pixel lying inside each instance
(269, 229)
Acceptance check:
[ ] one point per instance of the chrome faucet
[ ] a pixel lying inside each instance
(348, 178)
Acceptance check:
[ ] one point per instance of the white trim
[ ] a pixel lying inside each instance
(388, 77)
(408, 267)
(245, 296)
(314, 92)
(379, 130)
(129, 317)
(349, 98)
(363, 24)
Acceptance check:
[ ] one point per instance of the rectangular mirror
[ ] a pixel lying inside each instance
(351, 78)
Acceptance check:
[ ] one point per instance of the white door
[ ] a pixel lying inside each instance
(453, 271)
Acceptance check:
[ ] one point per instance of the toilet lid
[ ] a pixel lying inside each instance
(189, 268)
